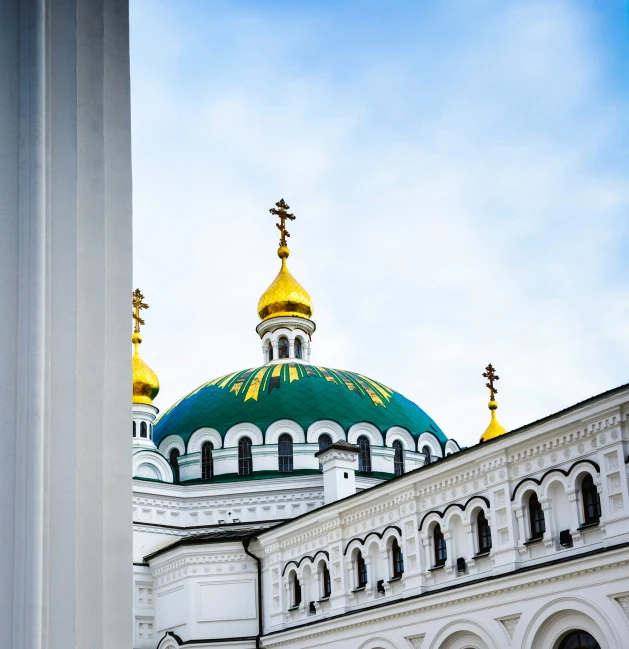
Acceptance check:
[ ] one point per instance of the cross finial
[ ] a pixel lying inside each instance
(490, 374)
(281, 211)
(138, 304)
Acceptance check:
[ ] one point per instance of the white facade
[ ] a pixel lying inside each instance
(520, 593)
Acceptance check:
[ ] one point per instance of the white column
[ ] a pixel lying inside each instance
(65, 282)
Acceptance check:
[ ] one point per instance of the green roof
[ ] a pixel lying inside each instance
(302, 393)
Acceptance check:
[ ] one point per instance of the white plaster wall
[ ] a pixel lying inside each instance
(65, 284)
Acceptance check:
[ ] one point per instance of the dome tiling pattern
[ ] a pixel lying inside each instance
(302, 393)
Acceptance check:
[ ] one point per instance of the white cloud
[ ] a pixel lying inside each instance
(459, 202)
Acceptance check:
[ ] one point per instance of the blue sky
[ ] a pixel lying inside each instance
(459, 173)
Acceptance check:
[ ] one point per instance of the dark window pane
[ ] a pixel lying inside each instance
(327, 583)
(298, 351)
(364, 458)
(285, 452)
(579, 640)
(282, 348)
(361, 570)
(591, 501)
(324, 441)
(207, 461)
(270, 352)
(398, 559)
(441, 553)
(426, 453)
(536, 517)
(134, 429)
(174, 463)
(143, 429)
(296, 591)
(398, 458)
(245, 461)
(484, 533)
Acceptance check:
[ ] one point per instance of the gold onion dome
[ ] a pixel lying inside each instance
(494, 429)
(145, 381)
(285, 296)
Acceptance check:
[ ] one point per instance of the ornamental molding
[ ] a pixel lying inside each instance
(322, 426)
(417, 641)
(202, 435)
(243, 430)
(414, 606)
(510, 623)
(289, 426)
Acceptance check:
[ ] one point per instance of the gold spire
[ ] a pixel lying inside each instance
(145, 381)
(494, 429)
(285, 296)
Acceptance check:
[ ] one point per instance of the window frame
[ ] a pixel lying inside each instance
(398, 458)
(280, 344)
(362, 575)
(440, 547)
(537, 520)
(364, 456)
(299, 348)
(591, 501)
(207, 466)
(285, 459)
(397, 558)
(483, 533)
(245, 462)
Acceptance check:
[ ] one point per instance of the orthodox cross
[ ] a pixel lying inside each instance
(281, 211)
(490, 374)
(138, 304)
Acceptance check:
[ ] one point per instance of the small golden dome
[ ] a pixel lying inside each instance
(145, 381)
(285, 296)
(494, 429)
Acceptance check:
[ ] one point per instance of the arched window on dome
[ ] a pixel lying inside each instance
(134, 429)
(324, 441)
(143, 430)
(298, 348)
(270, 350)
(285, 453)
(426, 454)
(578, 639)
(174, 464)
(398, 458)
(282, 347)
(364, 457)
(245, 461)
(207, 461)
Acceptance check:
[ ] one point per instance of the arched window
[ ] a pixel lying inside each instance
(426, 453)
(270, 352)
(441, 553)
(327, 583)
(578, 640)
(134, 429)
(207, 461)
(591, 501)
(324, 441)
(143, 432)
(150, 431)
(298, 348)
(364, 457)
(285, 452)
(282, 347)
(398, 458)
(245, 462)
(174, 463)
(296, 591)
(398, 559)
(484, 533)
(361, 571)
(536, 518)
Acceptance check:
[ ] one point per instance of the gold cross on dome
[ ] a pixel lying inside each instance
(490, 373)
(281, 211)
(138, 303)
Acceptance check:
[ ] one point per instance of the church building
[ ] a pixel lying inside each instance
(293, 506)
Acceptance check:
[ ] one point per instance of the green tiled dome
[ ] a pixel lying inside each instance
(303, 393)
